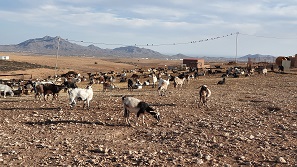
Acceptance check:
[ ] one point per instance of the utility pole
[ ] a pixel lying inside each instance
(236, 47)
(57, 56)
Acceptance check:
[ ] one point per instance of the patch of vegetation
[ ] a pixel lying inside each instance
(7, 65)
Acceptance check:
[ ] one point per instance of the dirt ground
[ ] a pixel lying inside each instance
(249, 121)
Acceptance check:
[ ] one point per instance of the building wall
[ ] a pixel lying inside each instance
(194, 63)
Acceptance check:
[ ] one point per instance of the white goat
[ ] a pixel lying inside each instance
(155, 80)
(163, 85)
(178, 81)
(264, 71)
(138, 107)
(204, 93)
(6, 89)
(81, 94)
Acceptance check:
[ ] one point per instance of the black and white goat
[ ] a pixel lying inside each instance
(138, 107)
(81, 94)
(137, 85)
(204, 94)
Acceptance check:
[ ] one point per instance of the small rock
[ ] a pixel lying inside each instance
(281, 160)
(208, 157)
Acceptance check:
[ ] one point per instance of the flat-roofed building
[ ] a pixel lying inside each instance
(194, 63)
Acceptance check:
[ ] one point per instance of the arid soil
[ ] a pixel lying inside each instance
(249, 121)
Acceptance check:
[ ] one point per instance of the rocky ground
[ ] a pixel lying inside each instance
(250, 121)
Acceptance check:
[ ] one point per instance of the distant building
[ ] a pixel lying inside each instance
(293, 61)
(194, 63)
(4, 57)
(290, 61)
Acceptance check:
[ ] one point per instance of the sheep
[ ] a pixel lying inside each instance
(179, 81)
(222, 81)
(6, 89)
(204, 93)
(163, 85)
(138, 107)
(81, 94)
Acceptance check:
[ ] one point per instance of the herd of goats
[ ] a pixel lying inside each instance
(68, 82)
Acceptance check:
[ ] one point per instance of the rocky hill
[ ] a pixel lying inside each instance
(257, 58)
(49, 46)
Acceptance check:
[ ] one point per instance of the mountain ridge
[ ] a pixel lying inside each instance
(49, 45)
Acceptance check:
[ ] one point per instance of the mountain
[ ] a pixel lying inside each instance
(179, 56)
(49, 45)
(257, 58)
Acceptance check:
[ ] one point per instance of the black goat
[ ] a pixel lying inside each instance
(130, 84)
(222, 81)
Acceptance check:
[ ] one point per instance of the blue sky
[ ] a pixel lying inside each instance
(190, 27)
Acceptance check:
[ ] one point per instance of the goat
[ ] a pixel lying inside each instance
(130, 84)
(108, 85)
(155, 80)
(146, 83)
(179, 81)
(264, 71)
(222, 81)
(139, 107)
(39, 91)
(137, 85)
(81, 94)
(6, 89)
(69, 84)
(52, 89)
(163, 85)
(204, 93)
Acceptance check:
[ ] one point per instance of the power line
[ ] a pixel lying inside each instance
(164, 44)
(261, 36)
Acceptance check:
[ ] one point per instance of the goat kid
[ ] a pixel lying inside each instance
(139, 107)
(204, 94)
(81, 94)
